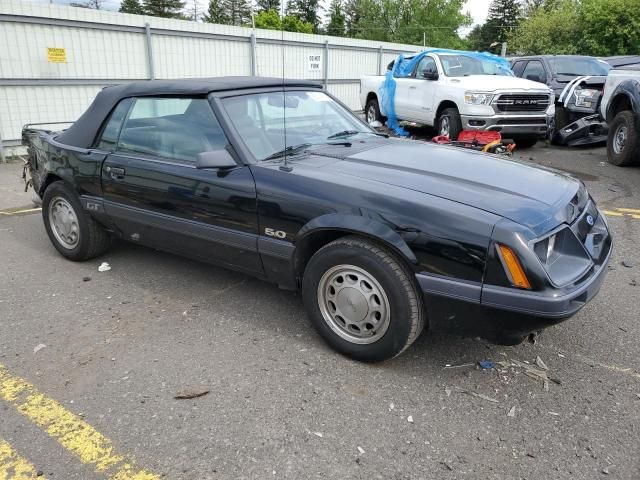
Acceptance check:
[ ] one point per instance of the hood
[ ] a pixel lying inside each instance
(491, 83)
(529, 195)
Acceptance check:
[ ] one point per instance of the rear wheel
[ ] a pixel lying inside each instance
(362, 299)
(72, 231)
(372, 111)
(623, 141)
(450, 123)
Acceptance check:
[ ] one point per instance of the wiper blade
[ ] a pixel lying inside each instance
(344, 133)
(290, 150)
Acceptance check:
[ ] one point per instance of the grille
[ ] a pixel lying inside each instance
(522, 103)
(522, 121)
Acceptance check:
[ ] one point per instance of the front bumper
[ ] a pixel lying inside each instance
(501, 314)
(535, 126)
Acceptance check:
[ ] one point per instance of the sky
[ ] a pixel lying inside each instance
(477, 8)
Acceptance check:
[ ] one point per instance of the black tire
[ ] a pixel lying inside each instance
(452, 116)
(93, 240)
(524, 142)
(560, 120)
(628, 152)
(406, 311)
(372, 110)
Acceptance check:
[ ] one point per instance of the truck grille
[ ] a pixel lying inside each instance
(521, 103)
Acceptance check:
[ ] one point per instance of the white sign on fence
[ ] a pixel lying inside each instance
(314, 62)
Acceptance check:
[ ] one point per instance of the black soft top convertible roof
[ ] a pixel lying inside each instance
(85, 130)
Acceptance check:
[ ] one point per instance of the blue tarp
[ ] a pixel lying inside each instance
(404, 67)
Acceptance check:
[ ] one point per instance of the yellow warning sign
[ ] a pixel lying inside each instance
(57, 55)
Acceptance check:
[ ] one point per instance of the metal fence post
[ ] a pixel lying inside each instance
(326, 64)
(254, 57)
(380, 60)
(147, 31)
(3, 159)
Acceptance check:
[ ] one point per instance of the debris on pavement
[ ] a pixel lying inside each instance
(512, 412)
(191, 392)
(39, 347)
(318, 434)
(410, 419)
(361, 450)
(626, 263)
(86, 279)
(391, 406)
(555, 414)
(486, 364)
(448, 365)
(541, 364)
(607, 470)
(104, 267)
(478, 395)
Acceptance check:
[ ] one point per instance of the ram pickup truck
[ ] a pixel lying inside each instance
(456, 92)
(620, 108)
(277, 179)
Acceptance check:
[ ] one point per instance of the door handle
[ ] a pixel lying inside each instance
(116, 173)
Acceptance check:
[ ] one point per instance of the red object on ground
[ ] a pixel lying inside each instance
(481, 136)
(440, 139)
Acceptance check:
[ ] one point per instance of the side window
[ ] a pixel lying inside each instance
(518, 67)
(535, 71)
(110, 133)
(427, 64)
(172, 128)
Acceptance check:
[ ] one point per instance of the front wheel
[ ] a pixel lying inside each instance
(72, 231)
(450, 123)
(623, 140)
(372, 111)
(525, 142)
(362, 300)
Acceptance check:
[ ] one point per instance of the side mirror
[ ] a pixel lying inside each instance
(215, 159)
(534, 78)
(429, 75)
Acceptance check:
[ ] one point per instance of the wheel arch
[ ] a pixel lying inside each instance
(327, 228)
(444, 104)
(48, 180)
(626, 96)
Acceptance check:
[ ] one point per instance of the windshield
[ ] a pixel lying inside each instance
(579, 66)
(312, 118)
(463, 66)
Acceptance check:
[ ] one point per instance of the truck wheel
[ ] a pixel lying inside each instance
(623, 141)
(525, 142)
(449, 123)
(362, 300)
(72, 231)
(372, 111)
(560, 120)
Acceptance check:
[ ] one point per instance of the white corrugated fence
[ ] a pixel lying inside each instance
(54, 59)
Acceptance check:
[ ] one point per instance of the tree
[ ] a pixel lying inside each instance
(238, 11)
(306, 10)
(291, 23)
(336, 26)
(268, 19)
(92, 4)
(548, 30)
(216, 13)
(352, 16)
(164, 8)
(266, 5)
(609, 27)
(131, 6)
(504, 16)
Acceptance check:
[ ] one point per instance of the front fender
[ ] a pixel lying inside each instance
(373, 228)
(629, 89)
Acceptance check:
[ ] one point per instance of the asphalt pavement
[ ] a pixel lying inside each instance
(91, 363)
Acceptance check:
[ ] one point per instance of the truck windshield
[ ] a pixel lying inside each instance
(270, 122)
(579, 66)
(464, 66)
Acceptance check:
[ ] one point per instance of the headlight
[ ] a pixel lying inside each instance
(563, 257)
(586, 98)
(477, 98)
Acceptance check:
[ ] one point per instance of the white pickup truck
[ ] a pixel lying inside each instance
(456, 92)
(620, 107)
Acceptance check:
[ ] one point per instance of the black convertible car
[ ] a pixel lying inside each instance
(279, 180)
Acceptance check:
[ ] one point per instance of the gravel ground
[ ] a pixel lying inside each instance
(120, 344)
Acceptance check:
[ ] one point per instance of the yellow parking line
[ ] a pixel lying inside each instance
(19, 212)
(73, 433)
(628, 210)
(13, 466)
(611, 213)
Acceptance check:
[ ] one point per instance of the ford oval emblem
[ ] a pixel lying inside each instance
(590, 220)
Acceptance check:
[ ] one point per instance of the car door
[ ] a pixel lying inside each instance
(156, 196)
(535, 71)
(424, 82)
(404, 89)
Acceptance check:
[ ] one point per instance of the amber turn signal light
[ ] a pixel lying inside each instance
(513, 267)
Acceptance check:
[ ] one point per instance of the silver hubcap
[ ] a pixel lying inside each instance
(353, 304)
(371, 114)
(619, 139)
(64, 223)
(444, 126)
